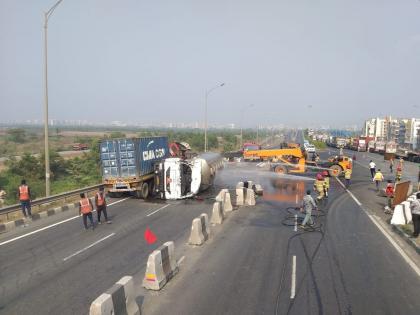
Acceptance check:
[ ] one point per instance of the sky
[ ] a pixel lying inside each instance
(299, 62)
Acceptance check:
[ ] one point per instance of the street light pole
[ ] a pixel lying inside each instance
(205, 113)
(47, 15)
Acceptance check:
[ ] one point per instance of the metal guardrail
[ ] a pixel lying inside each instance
(40, 201)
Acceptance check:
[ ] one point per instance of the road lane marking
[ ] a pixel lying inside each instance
(52, 225)
(407, 259)
(181, 260)
(293, 286)
(295, 223)
(87, 247)
(161, 208)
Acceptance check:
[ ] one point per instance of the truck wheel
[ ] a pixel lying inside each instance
(145, 190)
(335, 171)
(280, 169)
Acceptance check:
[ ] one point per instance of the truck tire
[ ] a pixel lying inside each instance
(335, 170)
(280, 169)
(145, 190)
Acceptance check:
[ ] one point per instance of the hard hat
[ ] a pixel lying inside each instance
(319, 176)
(324, 173)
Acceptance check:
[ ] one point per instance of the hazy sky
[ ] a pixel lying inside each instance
(299, 61)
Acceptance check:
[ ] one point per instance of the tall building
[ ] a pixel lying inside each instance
(376, 128)
(412, 133)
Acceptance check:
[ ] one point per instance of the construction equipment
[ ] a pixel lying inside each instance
(294, 161)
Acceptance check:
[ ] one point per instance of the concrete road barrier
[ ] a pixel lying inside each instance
(398, 218)
(200, 230)
(227, 202)
(221, 195)
(217, 216)
(240, 185)
(118, 300)
(258, 189)
(161, 267)
(250, 198)
(248, 184)
(239, 196)
(407, 212)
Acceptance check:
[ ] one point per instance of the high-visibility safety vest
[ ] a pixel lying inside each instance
(101, 199)
(347, 174)
(378, 176)
(24, 193)
(327, 182)
(85, 206)
(319, 185)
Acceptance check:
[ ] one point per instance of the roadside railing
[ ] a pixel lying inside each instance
(37, 205)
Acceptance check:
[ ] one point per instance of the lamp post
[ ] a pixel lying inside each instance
(47, 15)
(242, 119)
(205, 113)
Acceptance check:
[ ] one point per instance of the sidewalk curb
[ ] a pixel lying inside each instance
(406, 237)
(11, 225)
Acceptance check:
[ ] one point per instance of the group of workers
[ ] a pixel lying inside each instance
(85, 205)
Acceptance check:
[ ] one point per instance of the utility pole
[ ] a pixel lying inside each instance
(205, 113)
(47, 15)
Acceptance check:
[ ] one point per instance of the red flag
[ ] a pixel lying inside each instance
(149, 236)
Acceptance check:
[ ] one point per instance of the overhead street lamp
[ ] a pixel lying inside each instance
(47, 16)
(205, 113)
(242, 120)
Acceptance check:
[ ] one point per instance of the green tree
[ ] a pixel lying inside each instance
(16, 135)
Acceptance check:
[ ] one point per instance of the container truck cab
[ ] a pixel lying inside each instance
(250, 146)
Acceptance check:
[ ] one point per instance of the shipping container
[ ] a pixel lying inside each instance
(128, 164)
(380, 146)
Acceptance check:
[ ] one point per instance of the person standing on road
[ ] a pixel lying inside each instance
(415, 213)
(319, 186)
(326, 183)
(398, 174)
(347, 176)
(372, 167)
(100, 203)
(391, 165)
(24, 195)
(378, 178)
(400, 163)
(389, 192)
(85, 209)
(308, 204)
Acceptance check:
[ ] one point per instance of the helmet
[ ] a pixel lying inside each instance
(324, 173)
(319, 176)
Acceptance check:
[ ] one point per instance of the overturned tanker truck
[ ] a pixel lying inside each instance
(180, 178)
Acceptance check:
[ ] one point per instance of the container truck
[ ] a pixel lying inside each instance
(177, 178)
(371, 146)
(128, 164)
(380, 146)
(390, 150)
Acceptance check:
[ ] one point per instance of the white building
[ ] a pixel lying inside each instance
(376, 128)
(412, 133)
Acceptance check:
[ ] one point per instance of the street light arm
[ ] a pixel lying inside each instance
(214, 88)
(51, 10)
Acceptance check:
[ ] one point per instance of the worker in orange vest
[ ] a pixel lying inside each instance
(85, 209)
(100, 203)
(24, 194)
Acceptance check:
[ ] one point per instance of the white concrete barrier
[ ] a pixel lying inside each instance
(407, 212)
(217, 216)
(119, 299)
(221, 195)
(240, 185)
(248, 184)
(227, 203)
(161, 267)
(239, 196)
(200, 230)
(250, 198)
(398, 218)
(258, 189)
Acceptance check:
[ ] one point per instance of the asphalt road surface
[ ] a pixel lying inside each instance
(255, 263)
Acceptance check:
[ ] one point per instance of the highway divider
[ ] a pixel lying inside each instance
(119, 299)
(217, 215)
(161, 267)
(200, 230)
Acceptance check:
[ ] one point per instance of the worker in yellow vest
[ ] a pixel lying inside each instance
(326, 176)
(85, 209)
(347, 175)
(378, 178)
(319, 186)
